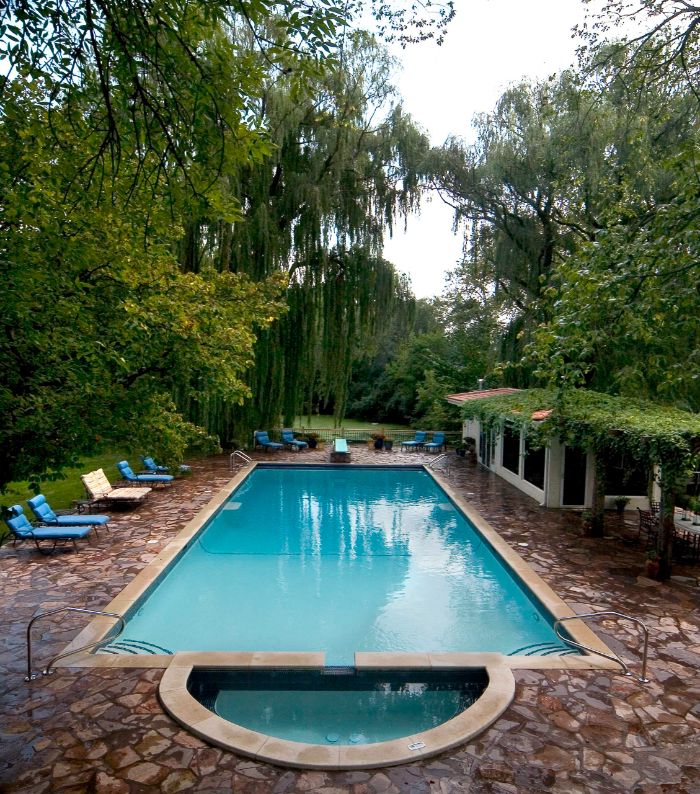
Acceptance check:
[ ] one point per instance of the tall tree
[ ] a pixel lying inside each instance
(557, 169)
(98, 322)
(343, 162)
(526, 193)
(624, 309)
(160, 67)
(148, 129)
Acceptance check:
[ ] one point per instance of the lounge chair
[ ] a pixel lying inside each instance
(151, 467)
(45, 515)
(100, 491)
(152, 479)
(340, 452)
(293, 443)
(21, 530)
(262, 440)
(436, 443)
(417, 442)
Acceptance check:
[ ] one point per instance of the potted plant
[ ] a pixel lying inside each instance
(388, 444)
(587, 521)
(378, 439)
(312, 439)
(694, 508)
(620, 503)
(652, 564)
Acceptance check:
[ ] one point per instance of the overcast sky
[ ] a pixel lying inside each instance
(489, 45)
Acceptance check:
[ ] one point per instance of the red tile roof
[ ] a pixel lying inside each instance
(462, 397)
(465, 396)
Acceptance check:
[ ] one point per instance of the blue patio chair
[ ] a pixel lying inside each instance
(417, 442)
(437, 442)
(263, 440)
(154, 479)
(151, 467)
(21, 530)
(293, 443)
(45, 515)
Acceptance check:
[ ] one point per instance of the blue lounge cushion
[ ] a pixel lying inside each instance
(438, 441)
(288, 438)
(153, 467)
(128, 474)
(263, 440)
(418, 441)
(18, 523)
(21, 528)
(42, 510)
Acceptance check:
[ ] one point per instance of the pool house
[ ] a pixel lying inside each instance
(556, 474)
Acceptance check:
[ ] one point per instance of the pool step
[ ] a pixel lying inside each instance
(135, 647)
(542, 649)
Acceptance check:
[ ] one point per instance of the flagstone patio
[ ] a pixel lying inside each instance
(103, 730)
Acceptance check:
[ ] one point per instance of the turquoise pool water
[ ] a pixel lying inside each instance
(337, 706)
(339, 560)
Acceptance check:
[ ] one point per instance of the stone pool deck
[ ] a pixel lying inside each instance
(103, 730)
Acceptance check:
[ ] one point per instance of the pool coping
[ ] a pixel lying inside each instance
(100, 626)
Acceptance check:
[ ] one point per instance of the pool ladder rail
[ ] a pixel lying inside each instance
(642, 679)
(245, 460)
(444, 463)
(49, 669)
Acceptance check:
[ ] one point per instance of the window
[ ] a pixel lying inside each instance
(625, 476)
(511, 449)
(574, 476)
(487, 444)
(533, 466)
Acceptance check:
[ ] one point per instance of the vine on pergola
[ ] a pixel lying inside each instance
(652, 435)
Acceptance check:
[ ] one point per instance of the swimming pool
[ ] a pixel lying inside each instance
(339, 560)
(392, 557)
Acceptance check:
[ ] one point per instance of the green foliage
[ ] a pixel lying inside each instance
(99, 322)
(626, 313)
(579, 201)
(315, 208)
(431, 406)
(164, 71)
(649, 433)
(168, 171)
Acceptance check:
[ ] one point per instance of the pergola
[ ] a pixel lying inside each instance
(662, 438)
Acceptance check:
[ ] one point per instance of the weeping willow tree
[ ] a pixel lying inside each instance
(343, 163)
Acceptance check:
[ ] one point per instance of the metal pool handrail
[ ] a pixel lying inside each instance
(47, 670)
(238, 454)
(443, 459)
(642, 679)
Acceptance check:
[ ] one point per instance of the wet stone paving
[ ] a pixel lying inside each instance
(101, 730)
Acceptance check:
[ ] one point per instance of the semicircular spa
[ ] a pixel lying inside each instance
(334, 717)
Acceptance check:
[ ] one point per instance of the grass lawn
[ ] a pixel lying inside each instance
(322, 422)
(60, 493)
